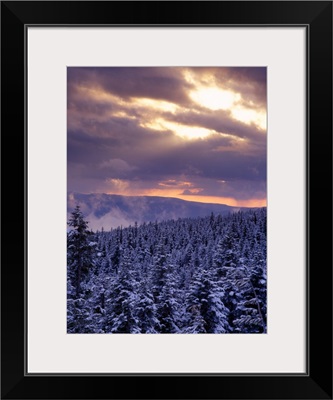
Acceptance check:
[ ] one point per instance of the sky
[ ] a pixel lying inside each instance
(197, 134)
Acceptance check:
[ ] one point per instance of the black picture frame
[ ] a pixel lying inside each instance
(316, 383)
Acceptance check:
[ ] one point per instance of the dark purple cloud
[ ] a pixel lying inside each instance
(115, 140)
(127, 82)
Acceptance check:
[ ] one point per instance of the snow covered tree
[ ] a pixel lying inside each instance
(79, 248)
(251, 317)
(145, 310)
(190, 275)
(206, 310)
(168, 305)
(121, 304)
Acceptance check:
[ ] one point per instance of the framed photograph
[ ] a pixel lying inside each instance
(171, 161)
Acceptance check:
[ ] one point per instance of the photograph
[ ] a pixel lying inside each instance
(166, 200)
(166, 168)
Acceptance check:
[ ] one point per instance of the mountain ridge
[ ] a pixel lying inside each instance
(113, 210)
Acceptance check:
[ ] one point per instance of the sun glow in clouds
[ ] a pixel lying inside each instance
(183, 131)
(214, 98)
(249, 116)
(175, 183)
(218, 99)
(159, 105)
(117, 185)
(210, 120)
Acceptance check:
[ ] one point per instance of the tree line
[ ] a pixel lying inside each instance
(191, 275)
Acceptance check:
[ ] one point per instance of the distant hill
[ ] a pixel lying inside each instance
(110, 210)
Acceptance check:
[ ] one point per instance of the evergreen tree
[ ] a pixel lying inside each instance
(168, 306)
(122, 301)
(145, 311)
(191, 275)
(79, 248)
(206, 310)
(251, 319)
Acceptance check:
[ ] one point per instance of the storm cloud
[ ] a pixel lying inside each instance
(194, 133)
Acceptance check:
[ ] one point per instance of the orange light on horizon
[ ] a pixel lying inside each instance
(230, 201)
(174, 193)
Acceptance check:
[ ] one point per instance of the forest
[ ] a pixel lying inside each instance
(184, 276)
